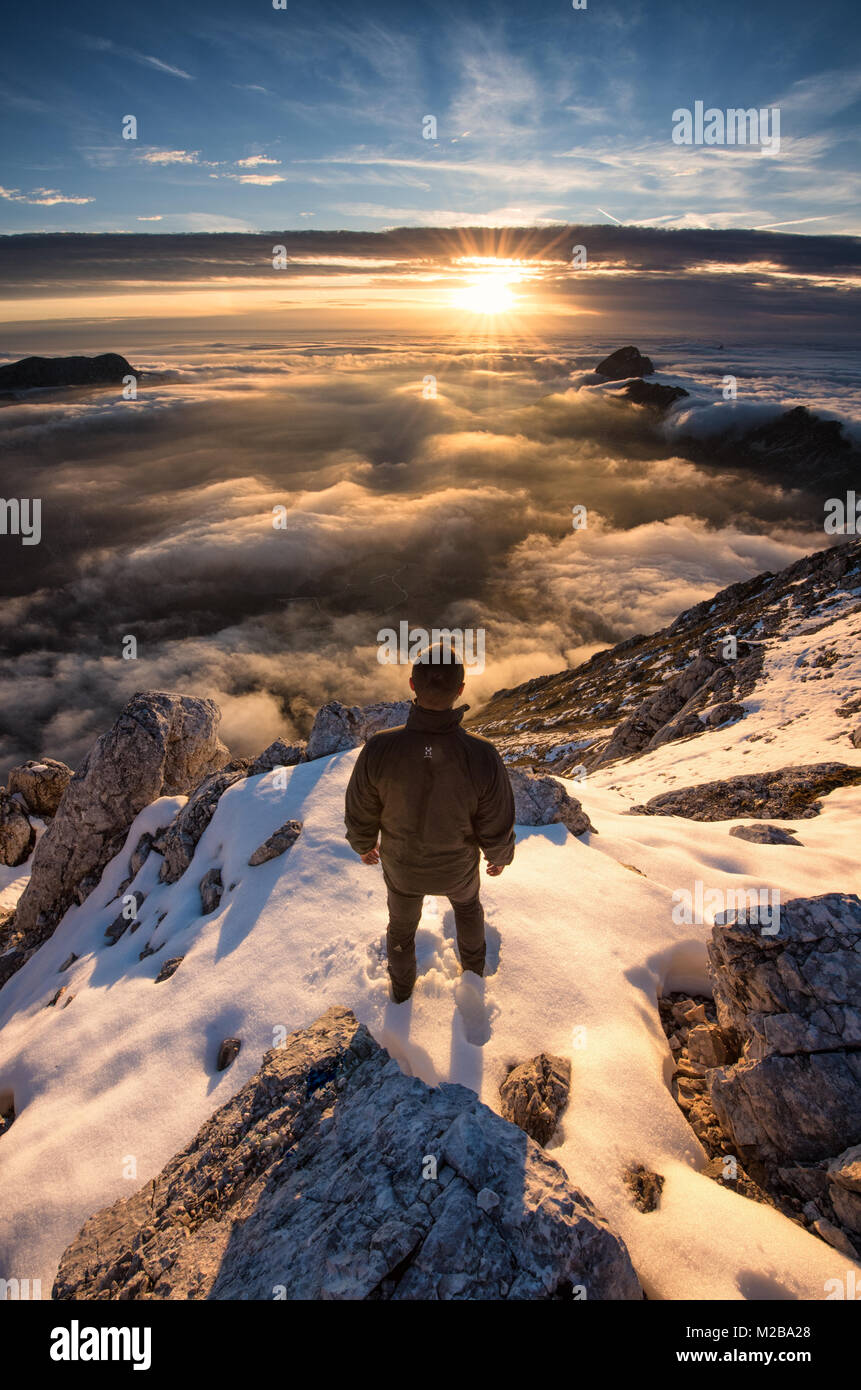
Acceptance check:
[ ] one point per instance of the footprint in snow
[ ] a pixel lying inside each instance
(477, 1012)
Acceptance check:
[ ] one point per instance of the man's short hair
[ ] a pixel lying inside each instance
(437, 674)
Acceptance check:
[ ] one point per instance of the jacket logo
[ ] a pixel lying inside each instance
(428, 751)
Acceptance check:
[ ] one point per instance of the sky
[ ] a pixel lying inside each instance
(250, 117)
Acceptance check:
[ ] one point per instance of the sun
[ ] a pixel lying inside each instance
(489, 293)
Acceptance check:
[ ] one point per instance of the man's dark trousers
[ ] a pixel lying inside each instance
(405, 909)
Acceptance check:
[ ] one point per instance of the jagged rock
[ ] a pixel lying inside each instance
(790, 794)
(282, 839)
(64, 371)
(125, 919)
(718, 1170)
(41, 784)
(161, 745)
(169, 968)
(845, 1169)
(709, 1045)
(70, 960)
(645, 1186)
(765, 834)
(211, 889)
(535, 1093)
(625, 362)
(652, 393)
(567, 719)
(667, 714)
(315, 1182)
(140, 854)
(835, 1237)
(728, 711)
(17, 835)
(855, 737)
(278, 754)
(179, 841)
(540, 800)
(228, 1051)
(338, 726)
(794, 1000)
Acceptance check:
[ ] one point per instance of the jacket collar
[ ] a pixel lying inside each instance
(434, 721)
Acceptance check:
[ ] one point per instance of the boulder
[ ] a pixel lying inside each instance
(542, 800)
(169, 968)
(17, 836)
(179, 841)
(623, 363)
(534, 1095)
(337, 727)
(161, 745)
(211, 890)
(227, 1053)
(278, 754)
(333, 1176)
(107, 368)
(765, 834)
(794, 1001)
(283, 838)
(41, 784)
(792, 793)
(669, 713)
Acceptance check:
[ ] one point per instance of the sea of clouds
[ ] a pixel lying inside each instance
(453, 509)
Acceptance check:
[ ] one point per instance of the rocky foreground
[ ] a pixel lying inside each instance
(332, 1175)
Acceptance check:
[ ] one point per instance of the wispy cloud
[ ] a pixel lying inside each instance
(254, 160)
(169, 156)
(100, 45)
(41, 197)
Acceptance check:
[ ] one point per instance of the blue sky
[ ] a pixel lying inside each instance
(251, 118)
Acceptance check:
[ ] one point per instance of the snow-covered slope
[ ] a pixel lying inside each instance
(118, 1074)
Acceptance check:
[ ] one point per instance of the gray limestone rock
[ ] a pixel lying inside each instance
(542, 800)
(281, 840)
(162, 744)
(41, 784)
(338, 726)
(331, 1176)
(534, 1094)
(17, 835)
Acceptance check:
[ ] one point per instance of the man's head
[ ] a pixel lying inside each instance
(437, 677)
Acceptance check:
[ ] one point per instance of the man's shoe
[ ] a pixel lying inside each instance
(399, 998)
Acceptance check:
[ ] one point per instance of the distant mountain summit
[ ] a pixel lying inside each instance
(30, 372)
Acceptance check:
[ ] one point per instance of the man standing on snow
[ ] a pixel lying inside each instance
(435, 796)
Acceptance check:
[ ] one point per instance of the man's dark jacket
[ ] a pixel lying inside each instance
(436, 796)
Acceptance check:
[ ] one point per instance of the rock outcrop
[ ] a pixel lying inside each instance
(29, 372)
(161, 745)
(282, 839)
(331, 1176)
(41, 784)
(792, 1101)
(337, 727)
(534, 1095)
(179, 841)
(625, 362)
(541, 800)
(278, 754)
(765, 834)
(792, 793)
(17, 835)
(567, 719)
(653, 394)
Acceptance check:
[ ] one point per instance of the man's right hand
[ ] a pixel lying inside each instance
(495, 869)
(372, 856)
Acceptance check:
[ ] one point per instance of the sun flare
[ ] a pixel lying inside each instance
(488, 294)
